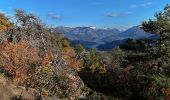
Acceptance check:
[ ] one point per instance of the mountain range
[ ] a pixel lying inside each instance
(135, 33)
(92, 37)
(86, 33)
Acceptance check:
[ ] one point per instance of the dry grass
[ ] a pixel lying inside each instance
(9, 90)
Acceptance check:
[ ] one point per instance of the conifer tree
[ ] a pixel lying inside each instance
(160, 25)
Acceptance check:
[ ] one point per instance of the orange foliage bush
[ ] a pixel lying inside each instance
(167, 93)
(48, 57)
(18, 58)
(69, 56)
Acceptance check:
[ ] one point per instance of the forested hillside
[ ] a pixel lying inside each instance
(38, 63)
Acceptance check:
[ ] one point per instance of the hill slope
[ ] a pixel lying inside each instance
(135, 32)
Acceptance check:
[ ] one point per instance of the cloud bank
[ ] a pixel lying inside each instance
(114, 14)
(54, 16)
(141, 5)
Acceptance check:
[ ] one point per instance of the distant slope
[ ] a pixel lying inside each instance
(110, 45)
(115, 40)
(86, 33)
(135, 32)
(87, 44)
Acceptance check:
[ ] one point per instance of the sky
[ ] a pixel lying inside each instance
(120, 14)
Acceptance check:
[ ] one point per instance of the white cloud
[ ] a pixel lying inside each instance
(54, 16)
(114, 14)
(98, 3)
(141, 5)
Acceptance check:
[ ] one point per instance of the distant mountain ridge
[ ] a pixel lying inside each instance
(111, 37)
(90, 34)
(135, 33)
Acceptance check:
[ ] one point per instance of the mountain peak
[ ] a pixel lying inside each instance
(92, 27)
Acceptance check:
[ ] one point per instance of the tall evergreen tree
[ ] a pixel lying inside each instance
(160, 25)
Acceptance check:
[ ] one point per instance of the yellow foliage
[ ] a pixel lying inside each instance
(4, 23)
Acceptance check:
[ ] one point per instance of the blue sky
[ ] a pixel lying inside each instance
(98, 13)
